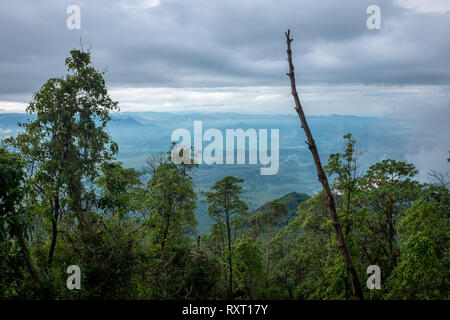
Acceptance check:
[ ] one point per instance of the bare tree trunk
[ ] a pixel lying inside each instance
(26, 253)
(268, 254)
(54, 232)
(222, 237)
(230, 265)
(166, 229)
(323, 178)
(166, 232)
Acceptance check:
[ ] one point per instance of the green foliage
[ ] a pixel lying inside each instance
(12, 223)
(389, 219)
(386, 191)
(119, 189)
(11, 193)
(108, 252)
(422, 271)
(202, 276)
(274, 214)
(224, 207)
(291, 201)
(64, 200)
(171, 203)
(264, 222)
(249, 268)
(64, 146)
(224, 199)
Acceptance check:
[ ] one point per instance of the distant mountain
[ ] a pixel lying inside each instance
(291, 201)
(141, 134)
(8, 123)
(124, 122)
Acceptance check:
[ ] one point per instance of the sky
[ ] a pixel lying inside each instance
(230, 56)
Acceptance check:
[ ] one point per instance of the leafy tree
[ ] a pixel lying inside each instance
(387, 190)
(248, 266)
(120, 188)
(266, 220)
(344, 168)
(224, 204)
(67, 142)
(171, 202)
(13, 224)
(203, 274)
(423, 268)
(319, 270)
(108, 252)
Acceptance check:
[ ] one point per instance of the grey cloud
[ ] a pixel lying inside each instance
(223, 43)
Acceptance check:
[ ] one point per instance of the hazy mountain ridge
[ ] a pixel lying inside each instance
(141, 134)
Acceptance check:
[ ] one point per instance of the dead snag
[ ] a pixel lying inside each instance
(323, 178)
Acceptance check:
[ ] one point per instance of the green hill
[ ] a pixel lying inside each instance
(291, 200)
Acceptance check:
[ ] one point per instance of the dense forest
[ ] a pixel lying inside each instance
(65, 200)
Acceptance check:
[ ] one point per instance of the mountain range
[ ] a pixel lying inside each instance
(141, 134)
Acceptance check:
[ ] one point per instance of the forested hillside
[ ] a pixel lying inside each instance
(291, 201)
(141, 135)
(66, 200)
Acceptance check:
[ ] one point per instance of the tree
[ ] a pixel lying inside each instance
(248, 267)
(13, 222)
(109, 252)
(203, 273)
(119, 188)
(267, 220)
(67, 142)
(423, 268)
(323, 178)
(344, 167)
(171, 202)
(386, 190)
(318, 268)
(224, 204)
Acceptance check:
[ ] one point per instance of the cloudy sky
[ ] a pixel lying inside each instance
(227, 55)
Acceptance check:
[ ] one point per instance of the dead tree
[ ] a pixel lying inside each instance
(323, 179)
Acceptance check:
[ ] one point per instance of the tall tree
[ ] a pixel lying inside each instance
(423, 268)
(323, 178)
(171, 201)
(387, 190)
(66, 143)
(13, 221)
(249, 269)
(224, 204)
(265, 221)
(344, 167)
